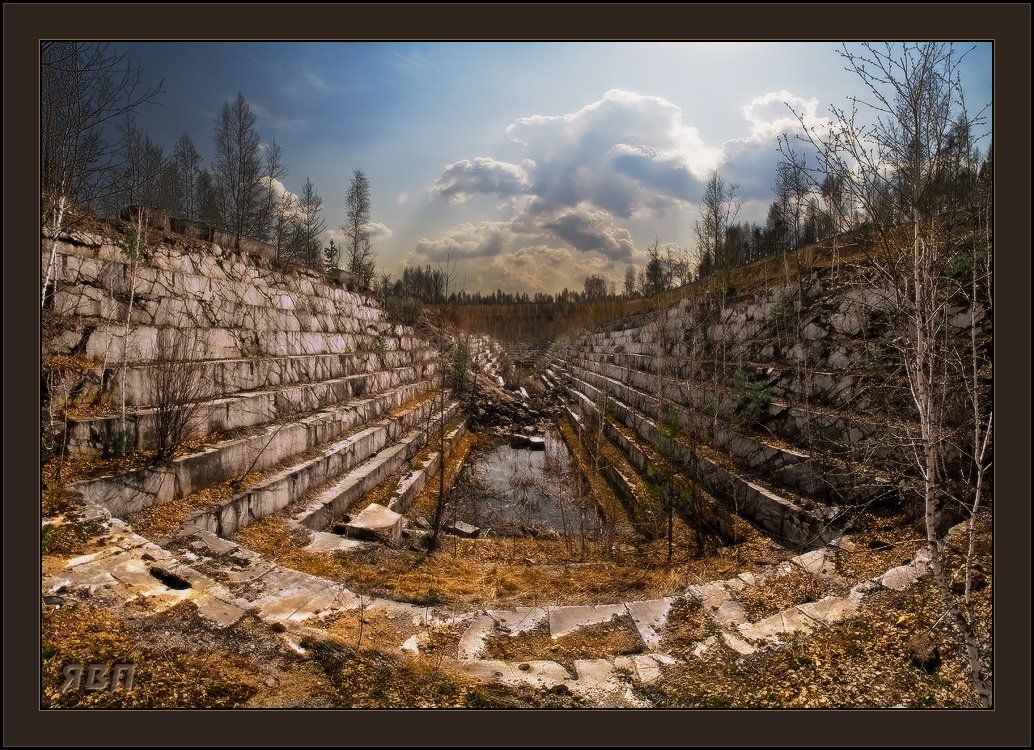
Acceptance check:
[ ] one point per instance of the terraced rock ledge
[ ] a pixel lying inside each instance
(296, 504)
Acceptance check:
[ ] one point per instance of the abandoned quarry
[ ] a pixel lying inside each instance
(284, 542)
(758, 479)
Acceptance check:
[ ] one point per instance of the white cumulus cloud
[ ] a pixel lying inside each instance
(585, 173)
(459, 181)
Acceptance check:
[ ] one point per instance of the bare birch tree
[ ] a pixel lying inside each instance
(443, 346)
(896, 150)
(310, 223)
(84, 88)
(275, 171)
(719, 208)
(188, 170)
(180, 384)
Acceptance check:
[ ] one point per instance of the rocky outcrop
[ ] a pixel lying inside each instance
(311, 397)
(786, 404)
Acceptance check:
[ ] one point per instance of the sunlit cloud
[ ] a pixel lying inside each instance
(626, 155)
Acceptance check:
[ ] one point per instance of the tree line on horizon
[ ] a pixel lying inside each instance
(810, 205)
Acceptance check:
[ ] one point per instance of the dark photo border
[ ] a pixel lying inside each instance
(1007, 25)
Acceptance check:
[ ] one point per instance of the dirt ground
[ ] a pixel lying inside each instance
(868, 660)
(512, 571)
(182, 662)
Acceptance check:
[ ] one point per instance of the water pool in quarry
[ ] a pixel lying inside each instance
(511, 489)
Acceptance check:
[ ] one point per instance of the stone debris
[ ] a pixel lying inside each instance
(830, 609)
(414, 643)
(326, 542)
(564, 620)
(377, 523)
(472, 642)
(519, 620)
(899, 578)
(122, 570)
(221, 613)
(600, 680)
(649, 618)
(463, 529)
(777, 626)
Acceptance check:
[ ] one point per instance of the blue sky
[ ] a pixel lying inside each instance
(534, 163)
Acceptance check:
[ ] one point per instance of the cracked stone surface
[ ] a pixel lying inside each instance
(564, 620)
(649, 618)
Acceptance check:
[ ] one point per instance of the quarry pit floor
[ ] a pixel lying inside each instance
(360, 657)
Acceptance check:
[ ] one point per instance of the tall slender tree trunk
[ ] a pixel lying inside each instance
(58, 223)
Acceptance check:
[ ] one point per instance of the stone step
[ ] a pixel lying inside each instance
(412, 484)
(127, 569)
(836, 367)
(707, 514)
(778, 513)
(281, 312)
(104, 342)
(236, 375)
(628, 483)
(377, 523)
(843, 391)
(129, 492)
(602, 682)
(650, 616)
(333, 499)
(271, 592)
(293, 481)
(212, 276)
(831, 416)
(565, 620)
(100, 435)
(826, 480)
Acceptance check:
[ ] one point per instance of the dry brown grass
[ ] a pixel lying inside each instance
(162, 520)
(67, 363)
(862, 661)
(776, 594)
(883, 542)
(180, 662)
(91, 411)
(77, 468)
(62, 538)
(412, 403)
(163, 677)
(362, 628)
(616, 637)
(272, 537)
(507, 571)
(383, 492)
(372, 679)
(687, 625)
(600, 491)
(543, 323)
